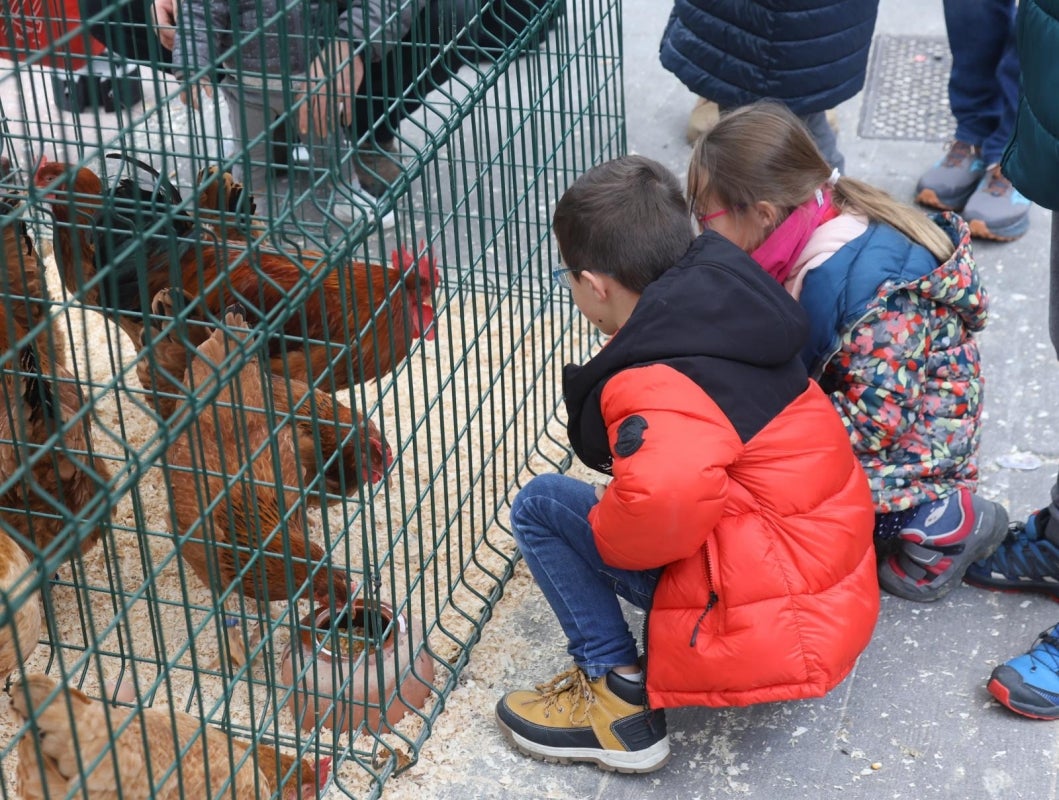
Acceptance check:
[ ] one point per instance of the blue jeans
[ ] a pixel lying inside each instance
(984, 81)
(549, 520)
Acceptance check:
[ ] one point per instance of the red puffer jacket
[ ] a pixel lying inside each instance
(732, 471)
(770, 589)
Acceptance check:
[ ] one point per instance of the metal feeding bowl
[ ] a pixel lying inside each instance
(344, 670)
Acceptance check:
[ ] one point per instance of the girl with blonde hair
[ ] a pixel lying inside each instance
(894, 300)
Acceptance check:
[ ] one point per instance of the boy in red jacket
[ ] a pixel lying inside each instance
(737, 514)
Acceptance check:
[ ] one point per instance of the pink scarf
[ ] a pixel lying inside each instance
(779, 252)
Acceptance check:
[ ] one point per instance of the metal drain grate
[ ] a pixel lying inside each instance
(906, 95)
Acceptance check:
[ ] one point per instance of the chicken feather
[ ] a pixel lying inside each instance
(232, 527)
(20, 634)
(377, 310)
(41, 399)
(318, 419)
(69, 733)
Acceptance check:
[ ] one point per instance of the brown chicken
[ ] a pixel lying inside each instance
(377, 309)
(72, 732)
(41, 398)
(21, 631)
(243, 531)
(318, 419)
(22, 285)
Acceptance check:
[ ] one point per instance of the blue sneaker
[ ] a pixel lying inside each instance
(939, 543)
(1026, 561)
(1029, 684)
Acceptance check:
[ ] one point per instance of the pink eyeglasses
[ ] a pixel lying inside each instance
(704, 218)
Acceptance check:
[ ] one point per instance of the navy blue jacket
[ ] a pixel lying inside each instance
(809, 54)
(841, 291)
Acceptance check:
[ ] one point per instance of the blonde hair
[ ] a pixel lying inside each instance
(763, 152)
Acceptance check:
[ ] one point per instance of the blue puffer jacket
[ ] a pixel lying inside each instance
(809, 54)
(1031, 161)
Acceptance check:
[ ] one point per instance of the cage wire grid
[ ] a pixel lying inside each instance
(140, 423)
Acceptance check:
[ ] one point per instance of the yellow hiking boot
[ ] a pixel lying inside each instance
(605, 721)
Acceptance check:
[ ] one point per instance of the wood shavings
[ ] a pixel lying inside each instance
(430, 527)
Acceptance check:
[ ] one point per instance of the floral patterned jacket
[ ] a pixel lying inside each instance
(892, 342)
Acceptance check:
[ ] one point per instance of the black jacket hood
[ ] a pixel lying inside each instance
(717, 317)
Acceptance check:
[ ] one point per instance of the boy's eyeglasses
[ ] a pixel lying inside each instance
(562, 276)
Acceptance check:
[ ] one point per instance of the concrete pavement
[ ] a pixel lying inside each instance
(914, 719)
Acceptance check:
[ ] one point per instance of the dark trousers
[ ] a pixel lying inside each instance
(127, 31)
(394, 87)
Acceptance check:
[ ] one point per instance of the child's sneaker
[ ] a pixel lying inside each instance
(573, 718)
(949, 183)
(1029, 684)
(1026, 561)
(939, 543)
(996, 210)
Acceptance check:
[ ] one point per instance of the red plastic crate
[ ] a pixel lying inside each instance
(34, 26)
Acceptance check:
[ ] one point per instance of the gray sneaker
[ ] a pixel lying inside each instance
(996, 210)
(949, 183)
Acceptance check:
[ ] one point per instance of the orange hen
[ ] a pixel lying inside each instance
(20, 632)
(375, 309)
(318, 420)
(62, 476)
(246, 531)
(162, 754)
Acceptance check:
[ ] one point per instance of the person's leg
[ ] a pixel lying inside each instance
(1053, 286)
(426, 59)
(549, 520)
(280, 193)
(1028, 559)
(1029, 684)
(826, 139)
(983, 95)
(126, 30)
(981, 39)
(1007, 82)
(412, 70)
(591, 712)
(250, 118)
(1053, 333)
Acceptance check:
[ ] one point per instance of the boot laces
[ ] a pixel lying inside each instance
(1046, 651)
(1024, 554)
(570, 690)
(958, 152)
(998, 185)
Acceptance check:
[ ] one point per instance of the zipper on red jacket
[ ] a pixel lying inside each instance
(713, 598)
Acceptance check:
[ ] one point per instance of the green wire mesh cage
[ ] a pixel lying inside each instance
(277, 355)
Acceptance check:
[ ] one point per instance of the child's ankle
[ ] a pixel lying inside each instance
(632, 674)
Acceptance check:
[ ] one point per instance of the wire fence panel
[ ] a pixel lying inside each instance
(275, 356)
